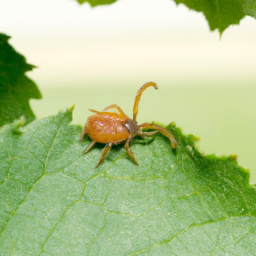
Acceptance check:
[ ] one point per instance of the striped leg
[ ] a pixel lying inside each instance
(129, 151)
(103, 154)
(89, 146)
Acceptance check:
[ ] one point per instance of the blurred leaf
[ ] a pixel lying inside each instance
(15, 88)
(222, 14)
(249, 7)
(177, 202)
(96, 2)
(219, 14)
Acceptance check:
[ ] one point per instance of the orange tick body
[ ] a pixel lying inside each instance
(113, 128)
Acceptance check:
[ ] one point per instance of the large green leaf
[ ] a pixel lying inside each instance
(15, 88)
(177, 202)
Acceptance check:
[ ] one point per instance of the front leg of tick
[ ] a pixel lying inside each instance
(82, 134)
(103, 153)
(129, 151)
(164, 131)
(89, 146)
(143, 134)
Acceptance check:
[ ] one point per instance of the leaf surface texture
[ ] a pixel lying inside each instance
(177, 202)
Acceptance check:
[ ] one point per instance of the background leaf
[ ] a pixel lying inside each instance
(249, 7)
(177, 202)
(219, 14)
(15, 88)
(96, 2)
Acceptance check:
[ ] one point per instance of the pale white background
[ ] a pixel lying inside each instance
(138, 40)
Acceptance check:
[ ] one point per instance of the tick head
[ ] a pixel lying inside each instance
(132, 127)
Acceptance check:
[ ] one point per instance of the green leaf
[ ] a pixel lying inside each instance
(222, 14)
(96, 2)
(15, 88)
(219, 14)
(249, 7)
(177, 202)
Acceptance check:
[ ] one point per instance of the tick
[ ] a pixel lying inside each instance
(113, 128)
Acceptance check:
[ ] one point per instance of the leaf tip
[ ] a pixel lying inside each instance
(233, 157)
(72, 108)
(220, 34)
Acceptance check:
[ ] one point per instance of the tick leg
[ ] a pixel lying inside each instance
(147, 133)
(89, 146)
(94, 111)
(129, 151)
(137, 99)
(114, 106)
(82, 134)
(103, 153)
(163, 131)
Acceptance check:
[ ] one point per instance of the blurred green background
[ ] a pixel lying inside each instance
(101, 56)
